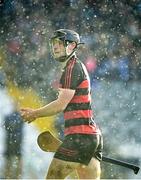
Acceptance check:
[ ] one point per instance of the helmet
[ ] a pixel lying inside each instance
(66, 36)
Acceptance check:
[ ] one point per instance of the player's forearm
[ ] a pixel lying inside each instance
(49, 109)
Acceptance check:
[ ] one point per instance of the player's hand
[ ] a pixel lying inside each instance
(28, 115)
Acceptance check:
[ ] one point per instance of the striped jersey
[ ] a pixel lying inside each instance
(78, 114)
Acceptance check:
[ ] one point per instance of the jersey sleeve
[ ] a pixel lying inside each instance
(71, 77)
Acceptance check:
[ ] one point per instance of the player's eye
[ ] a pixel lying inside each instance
(56, 41)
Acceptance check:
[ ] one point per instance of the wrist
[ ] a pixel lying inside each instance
(36, 114)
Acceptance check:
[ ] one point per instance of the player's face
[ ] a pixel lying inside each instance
(58, 48)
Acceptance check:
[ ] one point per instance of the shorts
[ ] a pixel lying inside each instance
(80, 148)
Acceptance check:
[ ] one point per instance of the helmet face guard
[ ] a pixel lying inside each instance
(66, 36)
(59, 55)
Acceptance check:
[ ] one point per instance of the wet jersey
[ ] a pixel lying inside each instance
(78, 114)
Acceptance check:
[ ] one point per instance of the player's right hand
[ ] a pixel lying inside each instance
(28, 114)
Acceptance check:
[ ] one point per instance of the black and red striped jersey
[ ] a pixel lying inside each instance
(78, 114)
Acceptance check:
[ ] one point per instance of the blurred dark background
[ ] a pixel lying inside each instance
(111, 31)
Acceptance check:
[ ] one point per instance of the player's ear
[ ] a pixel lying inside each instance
(72, 45)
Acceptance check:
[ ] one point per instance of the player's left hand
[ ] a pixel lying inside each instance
(28, 114)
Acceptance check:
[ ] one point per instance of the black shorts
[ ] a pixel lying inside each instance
(80, 148)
